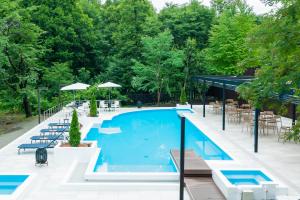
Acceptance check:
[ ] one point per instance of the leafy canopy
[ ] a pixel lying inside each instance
(227, 42)
(160, 62)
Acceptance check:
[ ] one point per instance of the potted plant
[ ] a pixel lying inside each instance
(74, 148)
(93, 107)
(74, 134)
(183, 99)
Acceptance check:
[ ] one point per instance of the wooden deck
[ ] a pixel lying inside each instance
(198, 177)
(194, 165)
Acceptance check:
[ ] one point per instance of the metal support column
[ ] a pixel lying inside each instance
(191, 96)
(294, 113)
(182, 150)
(256, 118)
(224, 106)
(39, 105)
(204, 100)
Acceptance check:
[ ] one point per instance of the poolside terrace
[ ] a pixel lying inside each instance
(66, 180)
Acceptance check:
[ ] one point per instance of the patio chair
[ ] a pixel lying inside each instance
(216, 107)
(271, 123)
(245, 106)
(115, 105)
(229, 101)
(233, 115)
(103, 105)
(282, 129)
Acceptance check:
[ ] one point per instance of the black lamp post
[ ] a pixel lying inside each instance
(39, 101)
(182, 155)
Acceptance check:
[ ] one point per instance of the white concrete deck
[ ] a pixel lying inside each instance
(282, 160)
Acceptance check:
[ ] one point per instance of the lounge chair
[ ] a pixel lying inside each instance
(35, 146)
(49, 144)
(47, 137)
(55, 124)
(54, 130)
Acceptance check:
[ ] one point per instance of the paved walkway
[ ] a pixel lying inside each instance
(21, 128)
(282, 160)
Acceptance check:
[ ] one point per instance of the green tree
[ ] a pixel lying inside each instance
(183, 98)
(93, 107)
(127, 19)
(275, 51)
(192, 20)
(19, 53)
(74, 134)
(193, 64)
(56, 77)
(227, 43)
(159, 63)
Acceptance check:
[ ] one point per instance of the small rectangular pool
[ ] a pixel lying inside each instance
(245, 177)
(9, 183)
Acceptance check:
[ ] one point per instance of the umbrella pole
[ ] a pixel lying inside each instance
(109, 103)
(74, 96)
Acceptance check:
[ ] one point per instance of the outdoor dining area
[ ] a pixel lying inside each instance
(254, 120)
(269, 122)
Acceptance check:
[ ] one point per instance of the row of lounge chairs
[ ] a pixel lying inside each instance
(48, 137)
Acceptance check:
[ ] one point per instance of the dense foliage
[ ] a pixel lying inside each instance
(74, 133)
(52, 43)
(159, 66)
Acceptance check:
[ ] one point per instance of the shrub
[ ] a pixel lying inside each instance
(294, 134)
(93, 107)
(183, 98)
(75, 135)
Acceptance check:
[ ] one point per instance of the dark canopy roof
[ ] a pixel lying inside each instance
(232, 82)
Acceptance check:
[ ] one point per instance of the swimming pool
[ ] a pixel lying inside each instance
(9, 183)
(145, 140)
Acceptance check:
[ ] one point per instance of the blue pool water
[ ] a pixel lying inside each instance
(145, 142)
(9, 183)
(245, 177)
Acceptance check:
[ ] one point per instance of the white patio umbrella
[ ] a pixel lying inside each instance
(74, 87)
(109, 85)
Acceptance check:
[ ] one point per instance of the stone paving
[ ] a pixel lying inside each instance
(282, 160)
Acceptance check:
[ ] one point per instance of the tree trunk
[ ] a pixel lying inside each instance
(158, 96)
(26, 106)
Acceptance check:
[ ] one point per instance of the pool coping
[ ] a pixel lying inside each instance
(232, 191)
(90, 174)
(21, 189)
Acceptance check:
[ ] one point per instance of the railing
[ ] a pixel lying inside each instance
(53, 110)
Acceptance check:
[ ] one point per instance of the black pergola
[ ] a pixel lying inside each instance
(231, 83)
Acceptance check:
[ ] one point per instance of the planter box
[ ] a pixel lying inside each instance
(64, 155)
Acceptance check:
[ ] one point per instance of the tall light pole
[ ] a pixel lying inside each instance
(39, 101)
(182, 156)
